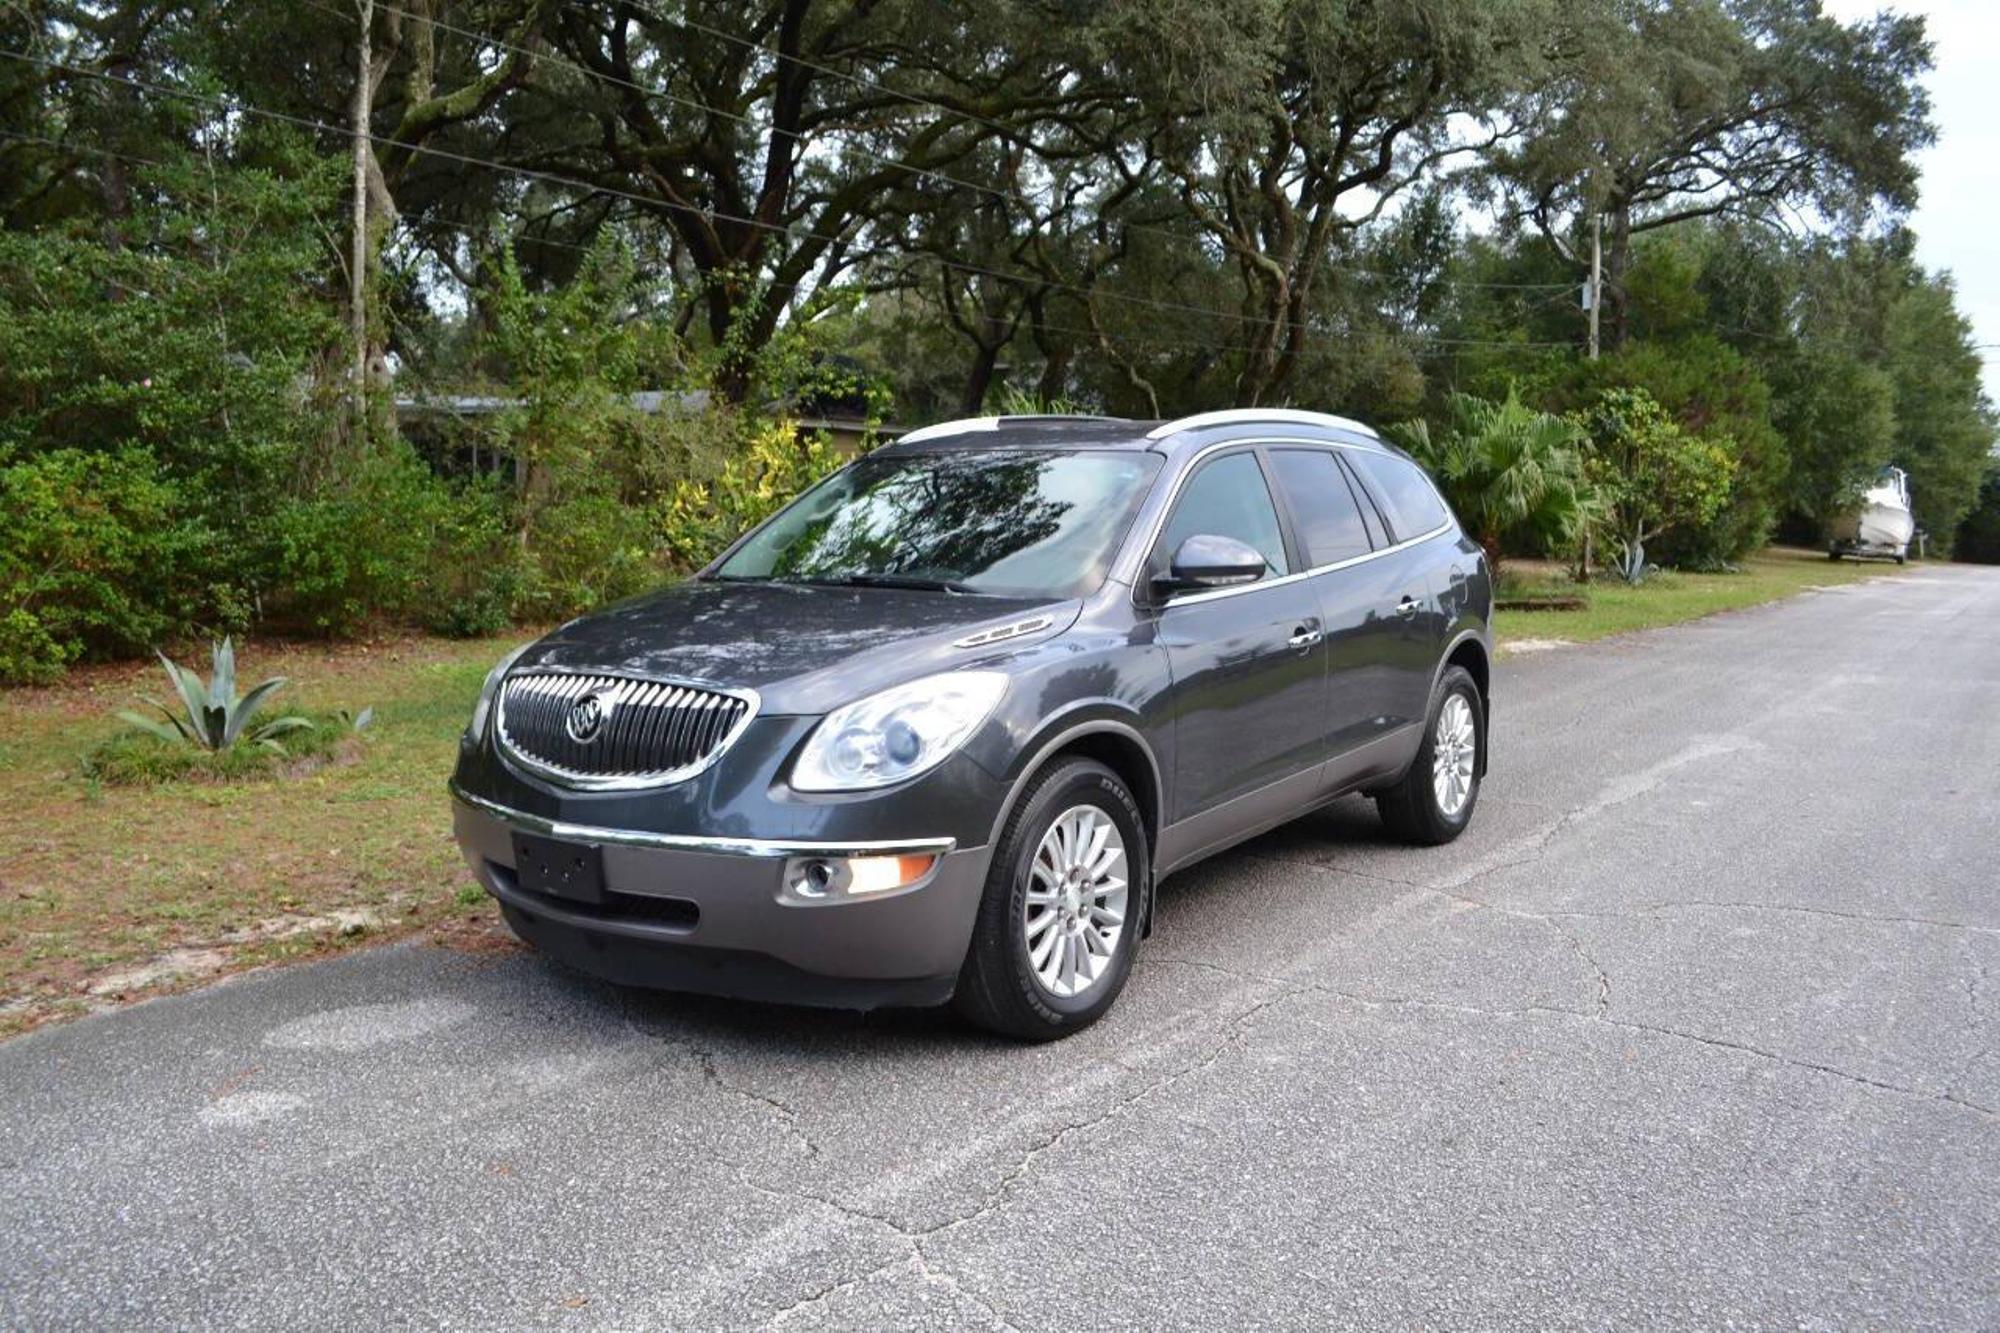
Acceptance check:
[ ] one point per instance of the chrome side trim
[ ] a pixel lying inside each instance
(1232, 416)
(1002, 632)
(1190, 599)
(625, 781)
(755, 847)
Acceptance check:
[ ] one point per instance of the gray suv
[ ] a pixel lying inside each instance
(936, 730)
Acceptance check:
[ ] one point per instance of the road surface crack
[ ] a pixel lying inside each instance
(1370, 1001)
(1870, 918)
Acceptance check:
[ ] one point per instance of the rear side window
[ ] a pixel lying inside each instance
(1228, 498)
(1408, 500)
(1330, 523)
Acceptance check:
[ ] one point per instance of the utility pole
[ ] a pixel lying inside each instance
(1596, 301)
(1596, 276)
(358, 266)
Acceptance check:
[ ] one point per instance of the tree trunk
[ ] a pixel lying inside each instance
(1614, 321)
(360, 262)
(979, 380)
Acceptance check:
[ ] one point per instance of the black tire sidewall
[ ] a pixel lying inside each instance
(1077, 782)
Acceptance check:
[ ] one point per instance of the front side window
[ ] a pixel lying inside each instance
(1004, 522)
(1228, 498)
(1329, 521)
(1408, 499)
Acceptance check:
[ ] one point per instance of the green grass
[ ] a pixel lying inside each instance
(133, 757)
(116, 848)
(98, 873)
(1670, 598)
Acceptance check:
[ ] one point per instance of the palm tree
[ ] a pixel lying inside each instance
(1505, 468)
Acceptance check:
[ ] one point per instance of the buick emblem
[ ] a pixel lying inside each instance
(587, 717)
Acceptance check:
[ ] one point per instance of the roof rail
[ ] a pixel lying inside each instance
(966, 425)
(1231, 415)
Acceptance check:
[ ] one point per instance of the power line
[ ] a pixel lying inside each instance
(927, 173)
(1154, 341)
(649, 202)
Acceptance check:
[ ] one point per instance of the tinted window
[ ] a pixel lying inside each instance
(1371, 517)
(1031, 524)
(1228, 498)
(1408, 501)
(1322, 505)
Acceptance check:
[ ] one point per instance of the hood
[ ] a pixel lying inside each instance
(804, 649)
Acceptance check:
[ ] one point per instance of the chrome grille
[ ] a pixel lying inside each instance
(646, 732)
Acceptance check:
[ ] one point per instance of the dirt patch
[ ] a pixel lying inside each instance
(201, 961)
(479, 933)
(1534, 645)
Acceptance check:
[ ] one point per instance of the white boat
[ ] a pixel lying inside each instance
(1880, 524)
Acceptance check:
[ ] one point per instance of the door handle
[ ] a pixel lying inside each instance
(1407, 607)
(1305, 636)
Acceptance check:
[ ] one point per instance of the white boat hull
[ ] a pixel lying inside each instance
(1881, 524)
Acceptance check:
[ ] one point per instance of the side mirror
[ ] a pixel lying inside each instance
(1206, 560)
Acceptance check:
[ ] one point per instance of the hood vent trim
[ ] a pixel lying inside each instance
(1001, 633)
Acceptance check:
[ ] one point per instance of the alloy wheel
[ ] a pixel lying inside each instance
(1074, 913)
(1454, 746)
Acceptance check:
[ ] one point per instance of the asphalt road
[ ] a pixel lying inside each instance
(1696, 1025)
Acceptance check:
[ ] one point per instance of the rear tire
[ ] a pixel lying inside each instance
(1013, 980)
(1433, 802)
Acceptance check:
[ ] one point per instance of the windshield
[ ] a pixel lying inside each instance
(997, 522)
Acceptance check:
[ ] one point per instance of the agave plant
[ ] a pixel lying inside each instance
(213, 717)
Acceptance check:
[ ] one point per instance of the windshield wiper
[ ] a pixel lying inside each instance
(915, 581)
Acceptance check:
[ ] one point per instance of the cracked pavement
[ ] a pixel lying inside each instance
(1695, 1026)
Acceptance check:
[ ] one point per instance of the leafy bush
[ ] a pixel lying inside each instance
(1506, 469)
(1650, 475)
(94, 555)
(699, 518)
(1978, 538)
(391, 542)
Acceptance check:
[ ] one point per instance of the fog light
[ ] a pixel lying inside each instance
(874, 874)
(823, 878)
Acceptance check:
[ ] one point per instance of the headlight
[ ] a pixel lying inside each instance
(488, 690)
(897, 734)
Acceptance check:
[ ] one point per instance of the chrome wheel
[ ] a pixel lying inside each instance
(1454, 746)
(1074, 914)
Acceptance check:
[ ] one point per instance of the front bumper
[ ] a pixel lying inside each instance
(710, 914)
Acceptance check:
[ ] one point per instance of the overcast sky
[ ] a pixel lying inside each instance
(1958, 217)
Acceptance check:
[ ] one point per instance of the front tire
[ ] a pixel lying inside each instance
(1064, 901)
(1433, 802)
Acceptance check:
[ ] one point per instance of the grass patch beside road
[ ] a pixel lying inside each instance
(1671, 598)
(112, 890)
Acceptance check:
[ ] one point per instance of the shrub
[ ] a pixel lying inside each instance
(698, 519)
(393, 542)
(1650, 475)
(94, 556)
(1506, 469)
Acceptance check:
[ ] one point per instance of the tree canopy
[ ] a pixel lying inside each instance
(1152, 207)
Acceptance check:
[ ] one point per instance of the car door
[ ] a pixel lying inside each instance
(1339, 534)
(1398, 584)
(1248, 663)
